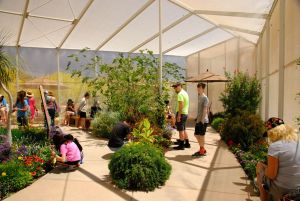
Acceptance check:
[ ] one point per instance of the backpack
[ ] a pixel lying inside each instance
(78, 144)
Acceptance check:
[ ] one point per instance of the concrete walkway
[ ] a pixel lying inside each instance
(217, 176)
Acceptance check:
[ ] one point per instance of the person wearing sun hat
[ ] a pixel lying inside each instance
(51, 106)
(32, 106)
(281, 175)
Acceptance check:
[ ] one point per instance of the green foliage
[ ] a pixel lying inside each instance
(29, 157)
(143, 133)
(242, 93)
(35, 134)
(31, 134)
(13, 177)
(217, 123)
(139, 167)
(7, 69)
(104, 122)
(244, 128)
(130, 84)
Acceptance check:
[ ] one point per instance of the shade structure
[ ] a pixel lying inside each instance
(208, 77)
(200, 77)
(188, 26)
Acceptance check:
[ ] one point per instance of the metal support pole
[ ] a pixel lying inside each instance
(260, 75)
(17, 68)
(58, 80)
(267, 91)
(160, 49)
(225, 54)
(281, 59)
(238, 54)
(199, 63)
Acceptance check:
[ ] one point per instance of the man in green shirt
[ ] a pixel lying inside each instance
(182, 109)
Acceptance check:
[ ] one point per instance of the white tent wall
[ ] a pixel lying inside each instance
(218, 59)
(291, 50)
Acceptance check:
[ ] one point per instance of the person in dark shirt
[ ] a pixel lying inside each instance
(120, 134)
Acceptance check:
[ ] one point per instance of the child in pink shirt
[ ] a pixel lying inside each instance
(70, 153)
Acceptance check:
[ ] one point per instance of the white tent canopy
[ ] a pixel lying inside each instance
(188, 26)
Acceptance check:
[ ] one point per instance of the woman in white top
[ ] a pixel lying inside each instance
(82, 110)
(282, 174)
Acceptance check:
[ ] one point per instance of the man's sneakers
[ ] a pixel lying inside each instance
(187, 145)
(200, 153)
(182, 145)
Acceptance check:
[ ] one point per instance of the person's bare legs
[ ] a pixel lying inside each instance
(3, 115)
(264, 196)
(67, 119)
(186, 137)
(81, 123)
(182, 135)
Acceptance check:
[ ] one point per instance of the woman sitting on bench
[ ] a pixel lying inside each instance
(70, 153)
(282, 174)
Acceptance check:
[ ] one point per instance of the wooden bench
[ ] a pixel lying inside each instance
(75, 118)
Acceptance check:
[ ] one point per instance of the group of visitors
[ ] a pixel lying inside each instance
(121, 131)
(25, 107)
(82, 110)
(182, 108)
(279, 178)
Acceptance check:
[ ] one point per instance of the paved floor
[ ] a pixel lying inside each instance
(217, 176)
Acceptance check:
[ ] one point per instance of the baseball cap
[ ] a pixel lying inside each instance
(176, 85)
(272, 123)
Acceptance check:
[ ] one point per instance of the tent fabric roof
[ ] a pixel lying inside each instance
(188, 26)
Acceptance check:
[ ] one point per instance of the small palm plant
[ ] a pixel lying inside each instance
(7, 73)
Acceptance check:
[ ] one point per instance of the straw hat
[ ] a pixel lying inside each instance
(29, 94)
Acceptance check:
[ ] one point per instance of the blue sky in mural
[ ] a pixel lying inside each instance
(43, 61)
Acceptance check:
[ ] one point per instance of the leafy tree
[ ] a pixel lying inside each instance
(7, 73)
(242, 93)
(130, 84)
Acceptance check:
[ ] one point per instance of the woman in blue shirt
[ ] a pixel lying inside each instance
(21, 106)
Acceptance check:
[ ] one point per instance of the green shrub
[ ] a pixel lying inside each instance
(13, 177)
(104, 122)
(217, 123)
(31, 134)
(35, 134)
(242, 93)
(244, 129)
(145, 134)
(139, 167)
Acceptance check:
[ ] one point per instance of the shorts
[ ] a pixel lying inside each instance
(72, 162)
(82, 114)
(22, 121)
(200, 128)
(181, 125)
(70, 113)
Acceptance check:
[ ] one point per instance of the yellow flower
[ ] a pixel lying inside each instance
(3, 174)
(20, 158)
